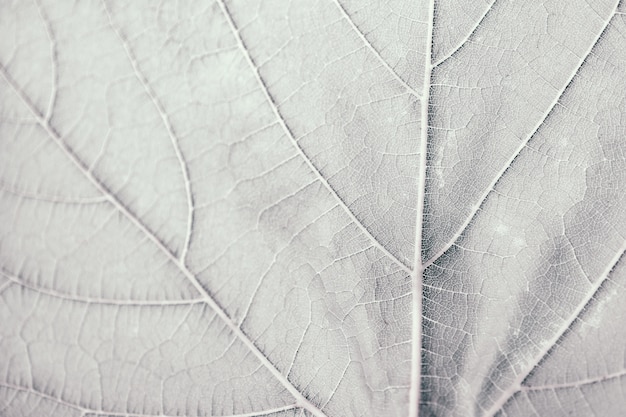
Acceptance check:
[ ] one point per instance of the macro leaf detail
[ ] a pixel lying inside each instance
(298, 208)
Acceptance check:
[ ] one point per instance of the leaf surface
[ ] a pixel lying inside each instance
(306, 208)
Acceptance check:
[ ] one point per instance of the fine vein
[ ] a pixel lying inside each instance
(88, 411)
(168, 127)
(467, 38)
(375, 51)
(478, 206)
(301, 401)
(575, 384)
(516, 386)
(53, 58)
(92, 300)
(53, 199)
(293, 139)
(416, 277)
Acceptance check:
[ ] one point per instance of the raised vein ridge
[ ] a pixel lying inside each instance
(301, 400)
(516, 386)
(481, 202)
(416, 277)
(293, 139)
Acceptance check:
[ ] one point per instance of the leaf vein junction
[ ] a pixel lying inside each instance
(301, 400)
(293, 139)
(168, 127)
(547, 348)
(481, 202)
(369, 45)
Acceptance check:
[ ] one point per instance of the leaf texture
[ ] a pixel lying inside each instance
(298, 208)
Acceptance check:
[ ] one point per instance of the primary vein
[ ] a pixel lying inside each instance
(482, 200)
(416, 278)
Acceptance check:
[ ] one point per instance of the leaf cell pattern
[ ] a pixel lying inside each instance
(312, 208)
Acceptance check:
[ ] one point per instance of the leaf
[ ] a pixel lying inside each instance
(297, 208)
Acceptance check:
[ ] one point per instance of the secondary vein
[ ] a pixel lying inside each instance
(299, 149)
(478, 206)
(168, 127)
(89, 411)
(369, 45)
(516, 386)
(301, 401)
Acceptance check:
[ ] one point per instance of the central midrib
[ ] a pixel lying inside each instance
(418, 271)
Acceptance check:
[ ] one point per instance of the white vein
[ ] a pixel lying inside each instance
(416, 277)
(168, 127)
(516, 386)
(53, 54)
(89, 411)
(467, 37)
(301, 401)
(299, 149)
(481, 201)
(93, 300)
(575, 384)
(54, 199)
(279, 253)
(369, 45)
(339, 381)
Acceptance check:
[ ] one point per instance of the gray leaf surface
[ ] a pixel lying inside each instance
(324, 208)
